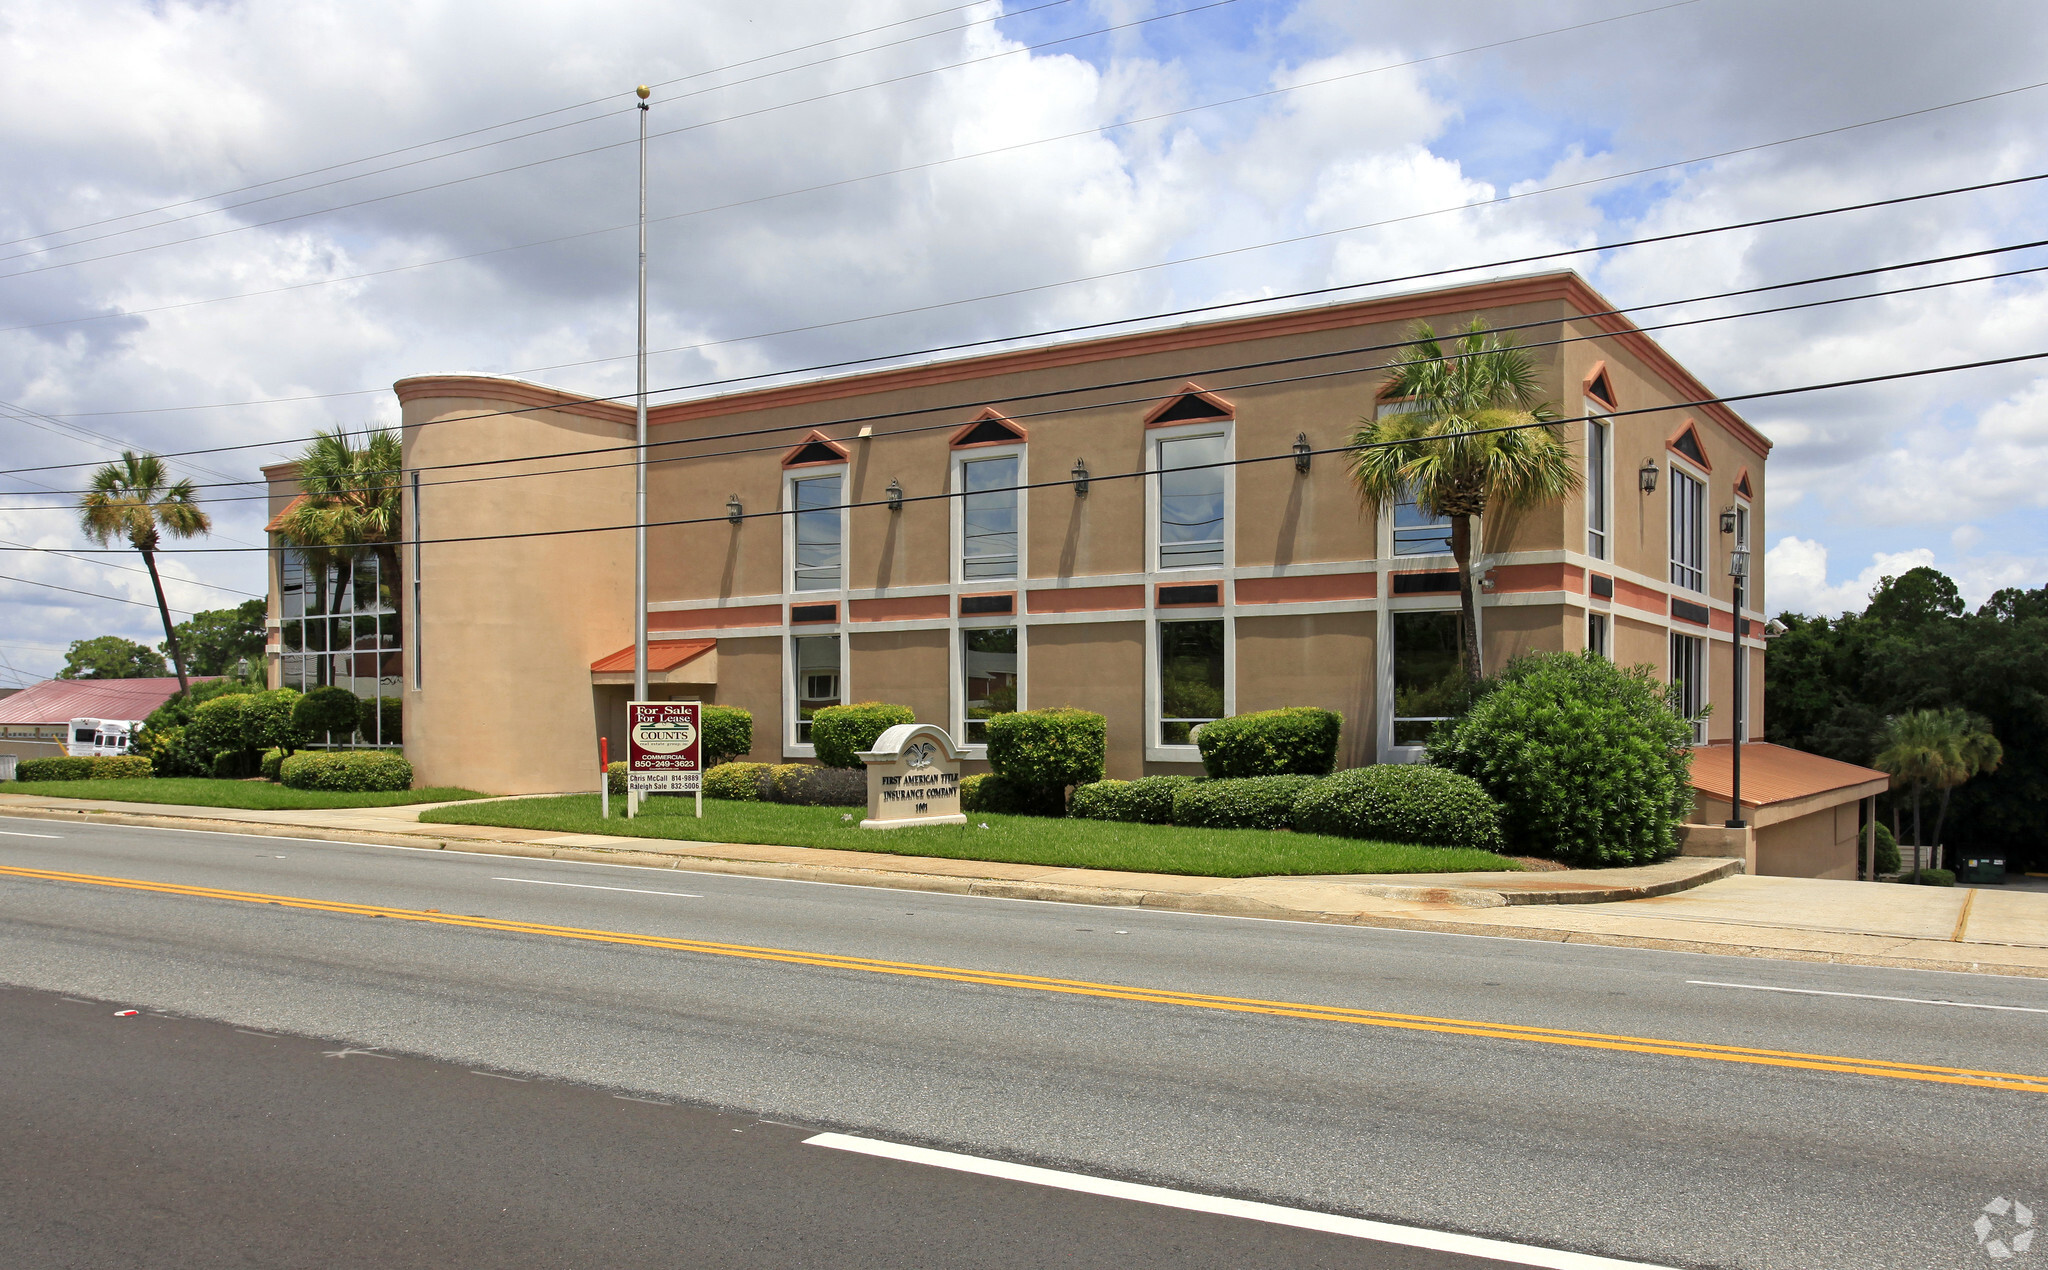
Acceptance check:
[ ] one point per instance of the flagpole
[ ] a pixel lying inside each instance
(640, 445)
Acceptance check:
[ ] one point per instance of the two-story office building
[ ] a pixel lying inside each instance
(1154, 526)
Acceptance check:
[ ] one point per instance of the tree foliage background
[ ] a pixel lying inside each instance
(1830, 683)
(215, 640)
(112, 657)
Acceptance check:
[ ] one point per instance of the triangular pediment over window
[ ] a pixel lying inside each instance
(1600, 388)
(990, 429)
(815, 448)
(1686, 441)
(1191, 404)
(1742, 484)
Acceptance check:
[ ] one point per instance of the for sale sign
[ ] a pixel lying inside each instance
(664, 747)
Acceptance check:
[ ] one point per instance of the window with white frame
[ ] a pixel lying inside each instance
(1416, 532)
(1598, 454)
(1689, 672)
(988, 517)
(1191, 490)
(1429, 680)
(1688, 530)
(1191, 678)
(815, 673)
(1742, 526)
(988, 674)
(1596, 635)
(818, 536)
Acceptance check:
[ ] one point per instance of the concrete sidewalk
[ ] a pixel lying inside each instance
(1689, 903)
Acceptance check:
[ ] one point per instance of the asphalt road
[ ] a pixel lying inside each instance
(743, 1001)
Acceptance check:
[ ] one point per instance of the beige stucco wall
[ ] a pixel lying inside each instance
(904, 667)
(1097, 666)
(1314, 659)
(1811, 846)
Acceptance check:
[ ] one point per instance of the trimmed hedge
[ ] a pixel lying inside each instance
(1101, 800)
(1397, 802)
(120, 767)
(1254, 802)
(330, 711)
(988, 792)
(1589, 762)
(810, 785)
(54, 769)
(1146, 801)
(728, 735)
(233, 765)
(349, 771)
(1887, 854)
(840, 733)
(1045, 751)
(1935, 877)
(1299, 740)
(739, 782)
(615, 777)
(272, 761)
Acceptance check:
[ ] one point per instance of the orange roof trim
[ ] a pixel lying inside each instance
(816, 448)
(286, 510)
(990, 427)
(1191, 404)
(662, 655)
(1599, 388)
(1773, 773)
(1686, 443)
(1742, 483)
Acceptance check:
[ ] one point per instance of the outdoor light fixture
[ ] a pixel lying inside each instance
(895, 493)
(1738, 569)
(1728, 520)
(734, 509)
(1738, 563)
(242, 669)
(1302, 453)
(1080, 475)
(1648, 476)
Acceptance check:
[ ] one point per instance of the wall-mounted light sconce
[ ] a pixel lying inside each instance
(1486, 582)
(1303, 452)
(734, 509)
(1647, 476)
(1728, 520)
(895, 493)
(1080, 475)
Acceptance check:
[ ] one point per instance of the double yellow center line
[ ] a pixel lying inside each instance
(1117, 992)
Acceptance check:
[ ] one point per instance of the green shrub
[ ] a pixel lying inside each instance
(54, 769)
(615, 777)
(1045, 751)
(348, 771)
(1401, 802)
(728, 735)
(1935, 877)
(387, 712)
(327, 713)
(1887, 853)
(840, 733)
(1300, 740)
(1151, 798)
(812, 785)
(1252, 802)
(1589, 762)
(1102, 800)
(168, 750)
(273, 759)
(231, 765)
(120, 767)
(988, 792)
(740, 782)
(217, 725)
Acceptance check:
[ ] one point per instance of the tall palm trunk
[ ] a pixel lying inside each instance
(1940, 815)
(1468, 603)
(163, 609)
(1917, 839)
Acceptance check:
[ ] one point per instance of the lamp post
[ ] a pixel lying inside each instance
(1738, 569)
(640, 448)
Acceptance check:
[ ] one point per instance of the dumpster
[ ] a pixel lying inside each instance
(1982, 871)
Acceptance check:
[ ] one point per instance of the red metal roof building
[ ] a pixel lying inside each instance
(32, 720)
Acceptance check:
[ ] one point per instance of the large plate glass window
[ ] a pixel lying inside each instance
(1429, 684)
(1191, 502)
(1190, 678)
(1596, 488)
(340, 625)
(819, 532)
(988, 518)
(988, 660)
(816, 665)
(1688, 530)
(1689, 672)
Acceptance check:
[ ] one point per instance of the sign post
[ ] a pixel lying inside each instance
(665, 749)
(604, 778)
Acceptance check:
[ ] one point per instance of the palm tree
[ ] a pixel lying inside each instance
(135, 499)
(1476, 437)
(1939, 749)
(351, 503)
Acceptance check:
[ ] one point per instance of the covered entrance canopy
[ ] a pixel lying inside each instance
(1802, 810)
(669, 661)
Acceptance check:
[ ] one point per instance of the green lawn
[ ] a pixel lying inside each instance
(1086, 844)
(249, 795)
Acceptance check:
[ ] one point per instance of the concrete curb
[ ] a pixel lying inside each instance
(1478, 897)
(1066, 893)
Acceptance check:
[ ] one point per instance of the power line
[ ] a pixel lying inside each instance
(1285, 455)
(129, 568)
(1674, 236)
(513, 123)
(93, 595)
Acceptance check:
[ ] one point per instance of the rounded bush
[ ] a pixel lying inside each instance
(346, 771)
(1398, 802)
(1935, 877)
(728, 735)
(1048, 750)
(1589, 762)
(1102, 800)
(387, 713)
(1299, 740)
(1254, 802)
(1887, 854)
(988, 792)
(811, 785)
(739, 782)
(272, 761)
(330, 713)
(217, 725)
(1151, 798)
(615, 777)
(65, 768)
(120, 767)
(231, 765)
(840, 733)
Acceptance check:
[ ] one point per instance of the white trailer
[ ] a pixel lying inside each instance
(100, 738)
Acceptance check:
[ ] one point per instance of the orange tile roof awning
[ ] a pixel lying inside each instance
(663, 655)
(1773, 773)
(286, 510)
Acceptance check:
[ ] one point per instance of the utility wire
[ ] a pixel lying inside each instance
(1284, 455)
(94, 595)
(129, 568)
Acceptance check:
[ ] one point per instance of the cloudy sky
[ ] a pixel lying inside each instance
(850, 180)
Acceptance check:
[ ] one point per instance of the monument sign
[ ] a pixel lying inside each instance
(913, 778)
